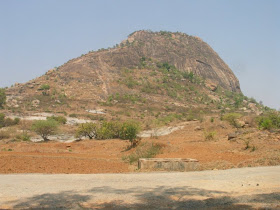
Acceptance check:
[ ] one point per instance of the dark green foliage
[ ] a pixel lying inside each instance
(45, 128)
(59, 119)
(2, 97)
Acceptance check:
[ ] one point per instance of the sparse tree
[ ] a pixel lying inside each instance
(129, 131)
(45, 128)
(87, 130)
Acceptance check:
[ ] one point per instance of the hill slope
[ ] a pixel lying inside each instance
(145, 75)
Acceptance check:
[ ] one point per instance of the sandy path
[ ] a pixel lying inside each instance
(230, 189)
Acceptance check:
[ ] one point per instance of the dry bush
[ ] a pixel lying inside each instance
(145, 150)
(209, 135)
(4, 135)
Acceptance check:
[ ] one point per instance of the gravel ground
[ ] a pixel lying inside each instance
(245, 188)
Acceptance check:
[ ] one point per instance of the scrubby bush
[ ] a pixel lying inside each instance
(4, 135)
(59, 119)
(269, 121)
(2, 97)
(129, 130)
(209, 135)
(232, 118)
(6, 122)
(23, 137)
(87, 129)
(73, 115)
(11, 122)
(109, 130)
(265, 123)
(147, 150)
(45, 128)
(2, 120)
(45, 87)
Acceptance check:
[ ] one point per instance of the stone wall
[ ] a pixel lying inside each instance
(168, 164)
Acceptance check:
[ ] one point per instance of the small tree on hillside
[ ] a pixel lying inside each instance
(2, 97)
(45, 128)
(87, 130)
(129, 132)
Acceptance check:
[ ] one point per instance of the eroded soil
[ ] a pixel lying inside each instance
(106, 156)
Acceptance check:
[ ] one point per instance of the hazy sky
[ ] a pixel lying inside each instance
(38, 35)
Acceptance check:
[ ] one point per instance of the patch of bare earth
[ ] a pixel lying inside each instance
(95, 156)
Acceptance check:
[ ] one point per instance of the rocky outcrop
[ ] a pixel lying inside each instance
(187, 53)
(92, 80)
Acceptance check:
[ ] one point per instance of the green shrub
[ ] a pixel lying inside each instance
(129, 131)
(73, 115)
(2, 120)
(143, 151)
(59, 119)
(10, 122)
(232, 118)
(87, 130)
(16, 121)
(266, 124)
(44, 87)
(23, 137)
(269, 121)
(45, 128)
(210, 135)
(2, 97)
(109, 130)
(6, 122)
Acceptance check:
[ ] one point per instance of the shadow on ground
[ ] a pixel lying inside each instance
(148, 198)
(62, 200)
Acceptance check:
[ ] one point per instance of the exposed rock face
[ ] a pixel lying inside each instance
(116, 77)
(187, 53)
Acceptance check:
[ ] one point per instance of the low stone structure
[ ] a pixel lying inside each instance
(168, 164)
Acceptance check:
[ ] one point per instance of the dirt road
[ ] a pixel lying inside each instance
(245, 188)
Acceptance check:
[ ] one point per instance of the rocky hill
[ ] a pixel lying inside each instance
(147, 76)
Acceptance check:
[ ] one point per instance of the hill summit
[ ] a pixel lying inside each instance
(153, 72)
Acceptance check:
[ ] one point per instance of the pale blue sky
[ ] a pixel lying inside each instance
(36, 35)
